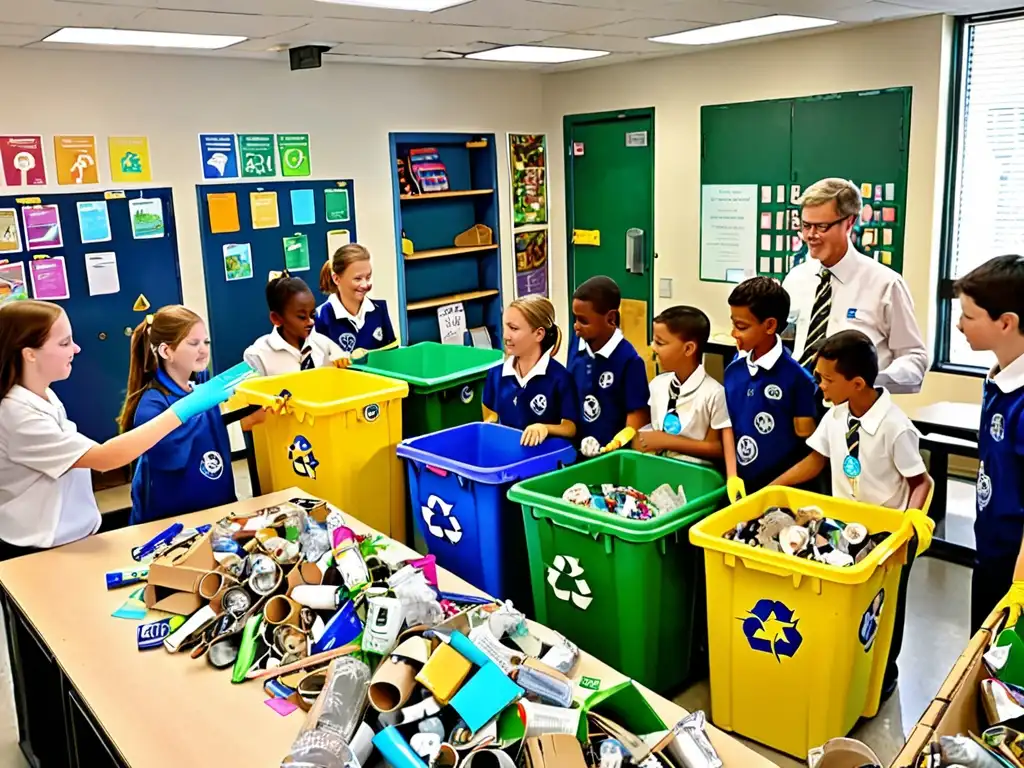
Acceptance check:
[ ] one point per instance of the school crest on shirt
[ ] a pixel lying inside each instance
(591, 408)
(212, 465)
(746, 450)
(378, 334)
(984, 487)
(764, 423)
(347, 342)
(539, 405)
(773, 392)
(997, 428)
(606, 380)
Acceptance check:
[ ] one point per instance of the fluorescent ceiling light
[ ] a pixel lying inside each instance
(427, 6)
(536, 54)
(740, 30)
(133, 37)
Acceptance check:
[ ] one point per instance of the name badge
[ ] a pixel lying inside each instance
(672, 424)
(851, 313)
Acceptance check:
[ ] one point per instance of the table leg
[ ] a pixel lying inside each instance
(938, 467)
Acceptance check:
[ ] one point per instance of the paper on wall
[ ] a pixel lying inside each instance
(451, 319)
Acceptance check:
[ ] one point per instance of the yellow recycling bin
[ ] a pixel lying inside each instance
(797, 648)
(334, 436)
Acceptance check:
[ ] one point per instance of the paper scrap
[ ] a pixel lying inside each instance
(283, 707)
(101, 271)
(766, 242)
(889, 215)
(586, 237)
(794, 194)
(296, 253)
(766, 194)
(780, 219)
(147, 218)
(10, 234)
(134, 608)
(263, 206)
(13, 283)
(237, 261)
(42, 227)
(780, 243)
(451, 319)
(94, 221)
(867, 238)
(766, 220)
(887, 258)
(866, 190)
(49, 279)
(337, 238)
(223, 208)
(303, 207)
(878, 193)
(780, 193)
(337, 207)
(886, 237)
(765, 265)
(890, 191)
(777, 265)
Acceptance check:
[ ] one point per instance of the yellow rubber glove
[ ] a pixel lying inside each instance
(735, 489)
(1013, 602)
(623, 437)
(923, 527)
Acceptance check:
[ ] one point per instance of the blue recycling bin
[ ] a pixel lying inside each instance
(458, 481)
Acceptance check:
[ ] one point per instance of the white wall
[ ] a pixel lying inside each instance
(347, 109)
(911, 53)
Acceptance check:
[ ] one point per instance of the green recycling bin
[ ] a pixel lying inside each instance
(630, 592)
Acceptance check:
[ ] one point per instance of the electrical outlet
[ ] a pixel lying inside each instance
(665, 288)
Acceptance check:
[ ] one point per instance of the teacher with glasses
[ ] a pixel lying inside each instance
(839, 288)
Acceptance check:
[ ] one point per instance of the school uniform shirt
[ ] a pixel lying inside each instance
(610, 384)
(546, 395)
(764, 396)
(187, 471)
(271, 355)
(869, 297)
(999, 524)
(369, 329)
(889, 452)
(43, 501)
(699, 406)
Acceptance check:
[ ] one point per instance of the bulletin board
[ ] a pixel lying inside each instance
(758, 157)
(102, 290)
(232, 216)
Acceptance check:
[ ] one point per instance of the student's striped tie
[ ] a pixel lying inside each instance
(819, 320)
(307, 358)
(853, 437)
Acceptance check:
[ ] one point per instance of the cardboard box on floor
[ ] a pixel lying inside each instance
(956, 709)
(173, 582)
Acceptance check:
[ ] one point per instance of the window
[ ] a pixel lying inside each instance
(984, 214)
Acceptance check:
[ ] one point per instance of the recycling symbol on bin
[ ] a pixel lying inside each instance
(570, 566)
(437, 511)
(771, 628)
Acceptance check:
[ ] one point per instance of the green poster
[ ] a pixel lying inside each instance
(296, 253)
(293, 152)
(337, 205)
(256, 152)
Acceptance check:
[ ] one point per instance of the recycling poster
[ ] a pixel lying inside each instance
(255, 155)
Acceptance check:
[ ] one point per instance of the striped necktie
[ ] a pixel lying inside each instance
(306, 355)
(819, 320)
(853, 437)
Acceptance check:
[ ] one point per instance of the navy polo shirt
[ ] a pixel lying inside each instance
(369, 329)
(999, 524)
(187, 471)
(764, 397)
(610, 384)
(546, 396)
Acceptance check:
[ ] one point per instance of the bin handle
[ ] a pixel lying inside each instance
(888, 547)
(755, 565)
(563, 524)
(436, 470)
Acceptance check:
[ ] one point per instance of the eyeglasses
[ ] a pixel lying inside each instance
(820, 227)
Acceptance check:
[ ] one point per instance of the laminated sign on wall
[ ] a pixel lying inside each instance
(451, 319)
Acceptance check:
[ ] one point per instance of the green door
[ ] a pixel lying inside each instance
(610, 190)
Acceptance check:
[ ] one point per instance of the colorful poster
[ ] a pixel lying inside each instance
(49, 279)
(337, 205)
(101, 272)
(303, 207)
(532, 263)
(296, 253)
(293, 152)
(94, 221)
(75, 158)
(237, 261)
(42, 227)
(129, 159)
(529, 180)
(147, 218)
(264, 210)
(10, 235)
(223, 208)
(13, 285)
(22, 159)
(220, 155)
(256, 154)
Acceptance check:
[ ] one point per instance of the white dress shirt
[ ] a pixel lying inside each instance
(271, 355)
(871, 298)
(700, 406)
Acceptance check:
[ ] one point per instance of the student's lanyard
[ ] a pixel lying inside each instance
(672, 424)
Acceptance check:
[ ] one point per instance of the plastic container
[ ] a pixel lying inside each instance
(458, 481)
(446, 383)
(335, 439)
(627, 591)
(798, 649)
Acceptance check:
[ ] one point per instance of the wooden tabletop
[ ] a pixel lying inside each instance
(960, 420)
(165, 710)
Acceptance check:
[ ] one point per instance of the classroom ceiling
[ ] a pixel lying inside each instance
(368, 35)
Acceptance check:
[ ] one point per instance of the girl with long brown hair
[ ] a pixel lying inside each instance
(349, 317)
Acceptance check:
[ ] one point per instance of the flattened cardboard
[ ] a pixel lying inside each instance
(553, 750)
(171, 601)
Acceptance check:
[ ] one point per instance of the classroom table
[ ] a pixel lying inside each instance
(86, 697)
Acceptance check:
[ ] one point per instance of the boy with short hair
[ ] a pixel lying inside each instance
(992, 307)
(689, 417)
(769, 394)
(610, 377)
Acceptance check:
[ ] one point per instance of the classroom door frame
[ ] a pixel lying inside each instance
(569, 122)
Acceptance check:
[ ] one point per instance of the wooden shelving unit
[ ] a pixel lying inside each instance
(438, 253)
(440, 301)
(447, 195)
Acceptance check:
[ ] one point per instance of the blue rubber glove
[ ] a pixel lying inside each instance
(211, 393)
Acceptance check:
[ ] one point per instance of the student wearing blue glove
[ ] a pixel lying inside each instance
(46, 496)
(189, 469)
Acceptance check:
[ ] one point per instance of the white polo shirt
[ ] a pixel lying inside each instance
(271, 355)
(867, 297)
(889, 453)
(43, 501)
(700, 406)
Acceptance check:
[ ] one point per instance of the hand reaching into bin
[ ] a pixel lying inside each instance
(535, 434)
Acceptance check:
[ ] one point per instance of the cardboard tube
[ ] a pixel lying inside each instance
(213, 584)
(281, 610)
(392, 685)
(447, 757)
(316, 596)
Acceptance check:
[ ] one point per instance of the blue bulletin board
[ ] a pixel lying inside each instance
(235, 289)
(101, 300)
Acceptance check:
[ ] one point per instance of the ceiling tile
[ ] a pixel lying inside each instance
(436, 35)
(13, 41)
(528, 14)
(198, 22)
(876, 11)
(65, 14)
(310, 8)
(616, 5)
(384, 51)
(643, 28)
(349, 59)
(820, 8)
(711, 11)
(613, 43)
(30, 31)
